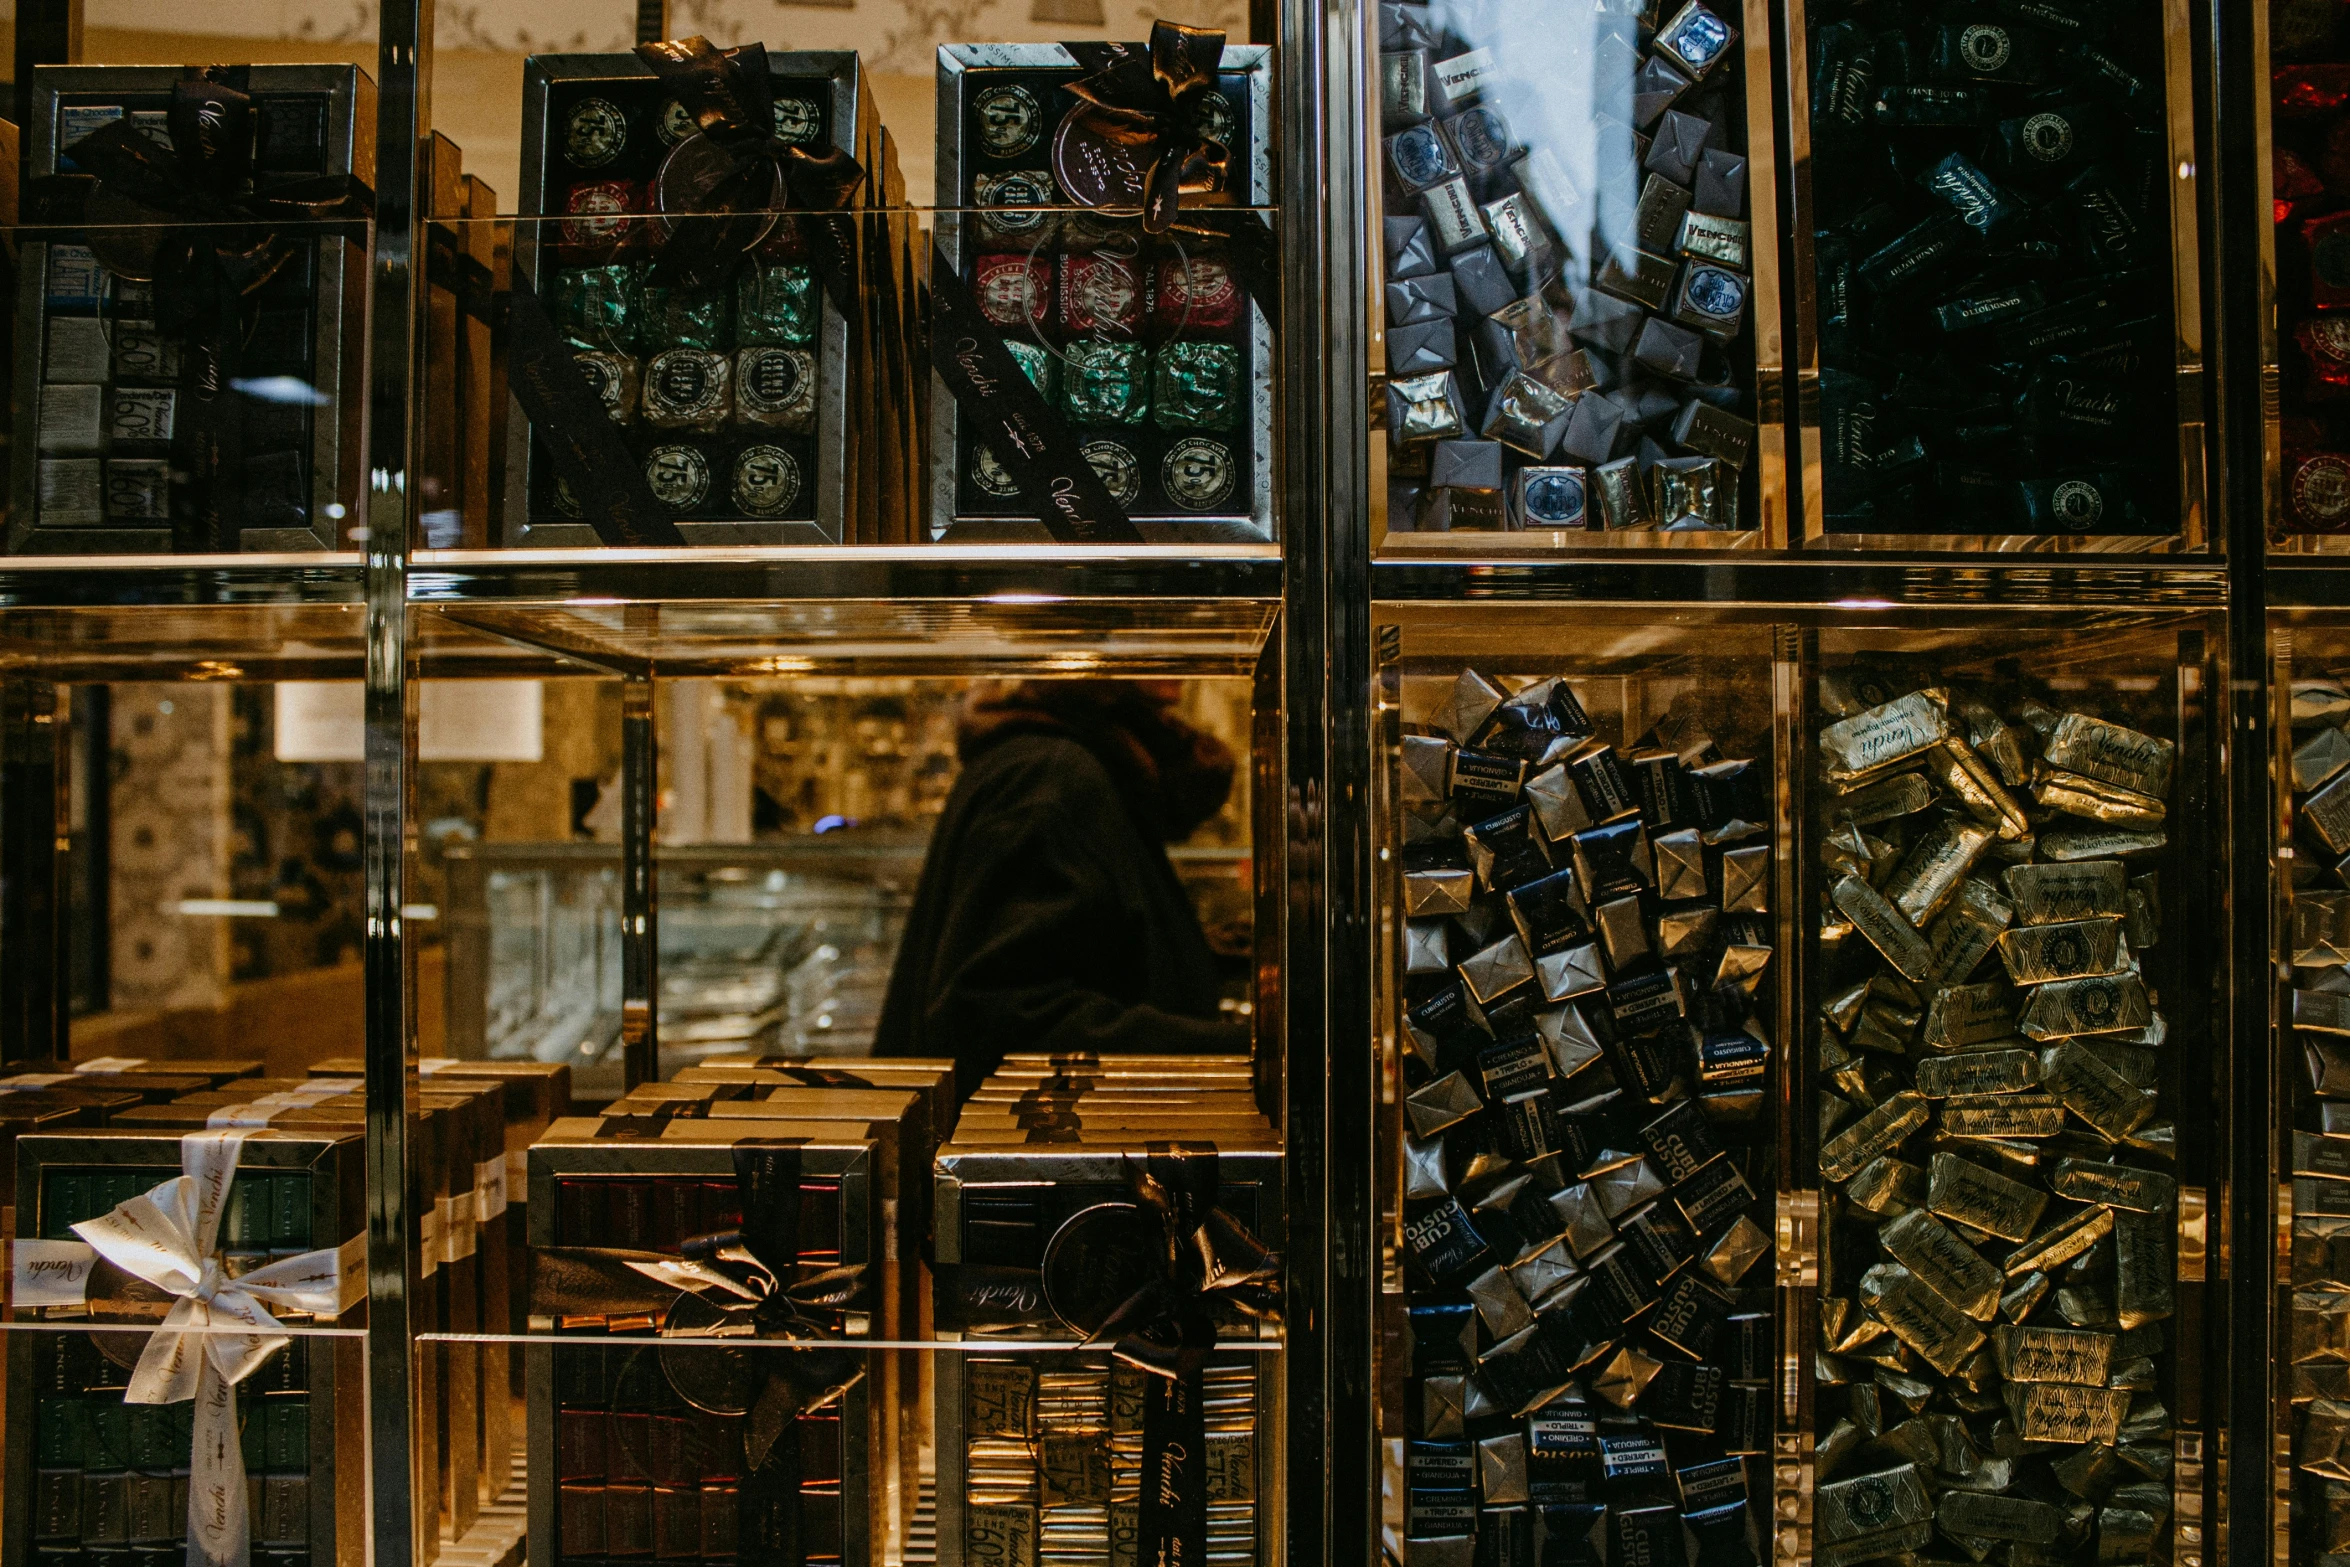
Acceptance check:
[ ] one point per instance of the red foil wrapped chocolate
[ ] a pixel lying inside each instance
(1014, 292)
(2309, 92)
(1101, 295)
(1195, 296)
(595, 221)
(2324, 343)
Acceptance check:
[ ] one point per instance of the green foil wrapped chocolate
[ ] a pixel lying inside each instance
(1036, 362)
(775, 306)
(677, 317)
(599, 307)
(1196, 386)
(1103, 382)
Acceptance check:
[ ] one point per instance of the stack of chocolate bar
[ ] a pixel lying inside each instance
(1042, 1456)
(1568, 265)
(1997, 1148)
(1587, 966)
(2318, 945)
(1991, 200)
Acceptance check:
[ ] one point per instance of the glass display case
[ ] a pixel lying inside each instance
(1723, 1011)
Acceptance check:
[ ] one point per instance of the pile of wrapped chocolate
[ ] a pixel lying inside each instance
(2310, 119)
(1991, 214)
(1568, 264)
(1056, 1197)
(1996, 1145)
(1587, 974)
(2319, 949)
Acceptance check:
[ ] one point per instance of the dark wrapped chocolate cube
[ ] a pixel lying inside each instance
(835, 459)
(1202, 467)
(110, 459)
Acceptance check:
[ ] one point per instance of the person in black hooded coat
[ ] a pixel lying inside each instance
(1048, 916)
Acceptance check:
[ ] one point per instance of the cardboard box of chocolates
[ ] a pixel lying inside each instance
(1575, 278)
(768, 407)
(148, 436)
(1041, 1456)
(1588, 995)
(642, 1429)
(101, 1474)
(1150, 352)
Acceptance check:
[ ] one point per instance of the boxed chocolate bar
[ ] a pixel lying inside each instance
(1119, 1451)
(736, 295)
(656, 1439)
(151, 1440)
(191, 369)
(1148, 349)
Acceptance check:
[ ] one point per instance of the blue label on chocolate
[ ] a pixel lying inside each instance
(1556, 500)
(1482, 138)
(1700, 38)
(1443, 1239)
(1715, 292)
(1420, 157)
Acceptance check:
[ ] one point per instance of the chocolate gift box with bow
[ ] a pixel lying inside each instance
(1159, 1255)
(752, 372)
(112, 1232)
(1147, 339)
(191, 309)
(761, 1235)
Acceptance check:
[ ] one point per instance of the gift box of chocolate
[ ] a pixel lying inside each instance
(1997, 1092)
(1146, 353)
(1572, 270)
(1997, 306)
(184, 1444)
(730, 293)
(1588, 1005)
(2309, 118)
(1118, 1453)
(192, 380)
(658, 1441)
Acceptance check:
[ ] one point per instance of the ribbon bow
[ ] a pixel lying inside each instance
(1136, 137)
(745, 1284)
(169, 1237)
(722, 187)
(1198, 1255)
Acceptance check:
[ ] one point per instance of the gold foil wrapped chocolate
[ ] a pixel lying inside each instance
(1977, 1072)
(2081, 843)
(1961, 1015)
(2114, 1185)
(2095, 1092)
(2049, 1354)
(1944, 1263)
(2137, 762)
(2096, 800)
(2000, 1116)
(1982, 1199)
(1972, 783)
(2060, 1243)
(1874, 740)
(2051, 894)
(2038, 954)
(1934, 867)
(2064, 1412)
(1879, 1132)
(1883, 799)
(1884, 926)
(2108, 1004)
(1930, 1327)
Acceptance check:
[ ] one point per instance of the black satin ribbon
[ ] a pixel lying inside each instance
(1146, 106)
(203, 274)
(731, 96)
(1006, 412)
(1168, 1328)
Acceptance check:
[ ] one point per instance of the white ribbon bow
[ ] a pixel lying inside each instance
(169, 1237)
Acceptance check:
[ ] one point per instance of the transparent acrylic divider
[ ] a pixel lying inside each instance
(761, 380)
(188, 388)
(1578, 279)
(1998, 281)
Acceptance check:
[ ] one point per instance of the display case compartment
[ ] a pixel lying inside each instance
(2094, 491)
(1679, 354)
(2012, 1174)
(115, 404)
(1197, 472)
(1668, 1407)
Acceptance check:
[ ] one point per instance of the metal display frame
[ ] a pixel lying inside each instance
(1298, 614)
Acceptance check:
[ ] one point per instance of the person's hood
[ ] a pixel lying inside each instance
(1173, 776)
